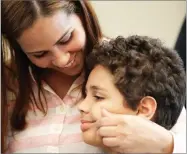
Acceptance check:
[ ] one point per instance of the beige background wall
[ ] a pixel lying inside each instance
(160, 19)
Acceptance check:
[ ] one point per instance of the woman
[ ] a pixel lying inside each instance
(48, 42)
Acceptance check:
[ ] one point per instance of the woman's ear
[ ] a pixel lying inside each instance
(147, 107)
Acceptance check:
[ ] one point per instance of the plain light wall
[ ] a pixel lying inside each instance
(158, 19)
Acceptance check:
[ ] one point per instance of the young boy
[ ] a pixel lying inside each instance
(135, 75)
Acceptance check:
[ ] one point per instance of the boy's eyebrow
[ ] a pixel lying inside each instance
(93, 87)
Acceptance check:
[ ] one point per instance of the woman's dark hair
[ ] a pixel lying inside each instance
(4, 108)
(18, 16)
(141, 67)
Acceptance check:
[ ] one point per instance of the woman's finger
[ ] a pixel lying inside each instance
(110, 142)
(106, 121)
(109, 119)
(108, 131)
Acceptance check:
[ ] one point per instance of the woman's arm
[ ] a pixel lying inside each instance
(138, 135)
(179, 133)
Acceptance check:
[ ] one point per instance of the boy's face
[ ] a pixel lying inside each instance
(100, 93)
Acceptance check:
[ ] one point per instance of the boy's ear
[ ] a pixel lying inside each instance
(147, 107)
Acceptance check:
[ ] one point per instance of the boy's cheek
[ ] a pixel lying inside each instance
(96, 112)
(96, 109)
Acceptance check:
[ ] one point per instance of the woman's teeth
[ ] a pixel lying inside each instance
(69, 64)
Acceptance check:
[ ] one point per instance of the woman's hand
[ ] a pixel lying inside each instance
(133, 134)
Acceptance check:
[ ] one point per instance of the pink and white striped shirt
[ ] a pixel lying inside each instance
(58, 131)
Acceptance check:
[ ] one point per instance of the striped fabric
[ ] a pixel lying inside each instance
(58, 131)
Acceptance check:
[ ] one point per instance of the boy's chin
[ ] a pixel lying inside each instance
(96, 141)
(93, 139)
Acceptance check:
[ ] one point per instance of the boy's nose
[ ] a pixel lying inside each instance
(84, 106)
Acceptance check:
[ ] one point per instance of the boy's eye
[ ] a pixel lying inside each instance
(98, 98)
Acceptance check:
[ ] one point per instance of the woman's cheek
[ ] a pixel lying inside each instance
(78, 42)
(42, 63)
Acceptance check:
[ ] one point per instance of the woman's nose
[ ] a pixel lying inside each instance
(61, 58)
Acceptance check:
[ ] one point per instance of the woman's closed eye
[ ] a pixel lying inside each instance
(66, 39)
(42, 54)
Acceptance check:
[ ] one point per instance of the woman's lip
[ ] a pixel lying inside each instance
(71, 61)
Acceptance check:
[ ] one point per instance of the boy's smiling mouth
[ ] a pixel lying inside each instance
(85, 125)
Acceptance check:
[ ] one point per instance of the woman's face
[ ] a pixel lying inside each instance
(100, 93)
(56, 42)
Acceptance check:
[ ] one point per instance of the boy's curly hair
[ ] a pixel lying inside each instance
(141, 67)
